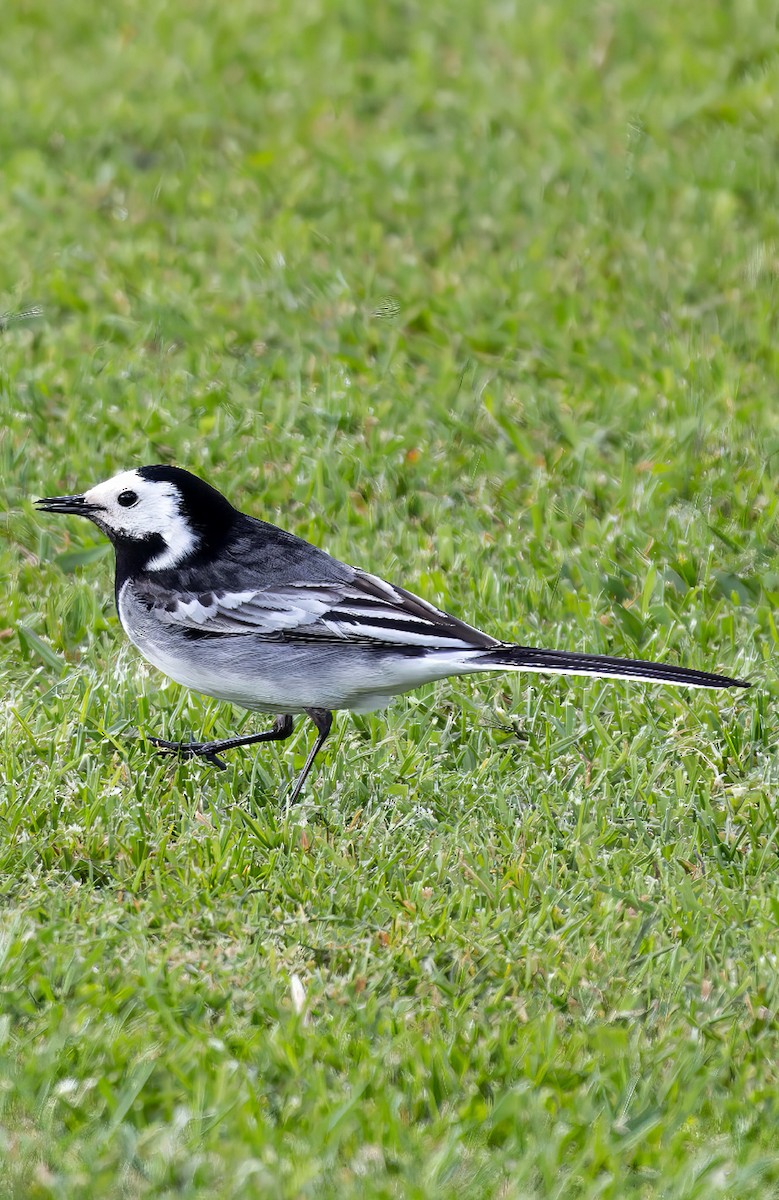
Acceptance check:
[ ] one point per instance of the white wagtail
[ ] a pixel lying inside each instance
(242, 611)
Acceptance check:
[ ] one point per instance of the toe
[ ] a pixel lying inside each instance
(161, 744)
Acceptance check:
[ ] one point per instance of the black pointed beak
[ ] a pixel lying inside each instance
(65, 504)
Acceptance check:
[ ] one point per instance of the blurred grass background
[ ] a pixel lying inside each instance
(481, 296)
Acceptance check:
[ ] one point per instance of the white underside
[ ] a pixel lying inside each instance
(267, 687)
(357, 692)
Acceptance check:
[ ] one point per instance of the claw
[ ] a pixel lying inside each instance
(213, 757)
(165, 747)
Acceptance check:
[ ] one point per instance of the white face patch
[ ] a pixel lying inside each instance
(157, 510)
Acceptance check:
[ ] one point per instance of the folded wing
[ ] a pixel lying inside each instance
(364, 610)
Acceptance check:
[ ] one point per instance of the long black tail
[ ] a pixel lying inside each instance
(565, 662)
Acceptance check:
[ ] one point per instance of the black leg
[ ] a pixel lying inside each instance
(281, 729)
(324, 723)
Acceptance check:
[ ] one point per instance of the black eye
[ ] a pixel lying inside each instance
(127, 499)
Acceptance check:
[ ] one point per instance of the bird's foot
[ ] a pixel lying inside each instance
(206, 750)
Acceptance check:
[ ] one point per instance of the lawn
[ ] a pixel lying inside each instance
(483, 297)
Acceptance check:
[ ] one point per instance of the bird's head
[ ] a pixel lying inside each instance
(160, 516)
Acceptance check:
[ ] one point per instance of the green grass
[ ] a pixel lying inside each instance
(482, 297)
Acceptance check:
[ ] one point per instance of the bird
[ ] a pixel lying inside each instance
(236, 608)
